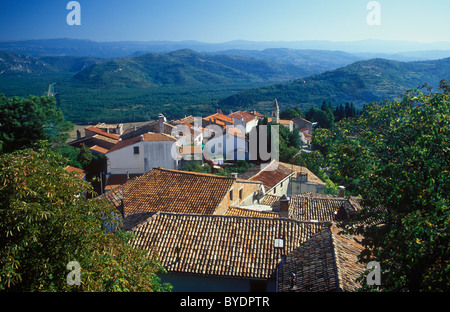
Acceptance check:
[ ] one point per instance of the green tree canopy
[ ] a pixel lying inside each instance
(396, 155)
(24, 121)
(45, 223)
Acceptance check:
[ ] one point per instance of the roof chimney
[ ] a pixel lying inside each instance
(161, 121)
(234, 175)
(284, 207)
(341, 191)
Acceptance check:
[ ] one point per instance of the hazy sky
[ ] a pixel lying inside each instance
(226, 20)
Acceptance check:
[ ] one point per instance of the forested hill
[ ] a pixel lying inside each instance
(13, 64)
(360, 83)
(183, 68)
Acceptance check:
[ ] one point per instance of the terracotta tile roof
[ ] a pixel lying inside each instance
(146, 137)
(99, 149)
(270, 175)
(116, 180)
(324, 210)
(315, 207)
(103, 133)
(302, 170)
(79, 172)
(327, 262)
(220, 245)
(220, 117)
(97, 139)
(245, 212)
(114, 190)
(245, 115)
(176, 191)
(186, 120)
(150, 127)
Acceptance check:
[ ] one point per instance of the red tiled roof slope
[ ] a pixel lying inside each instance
(176, 191)
(220, 245)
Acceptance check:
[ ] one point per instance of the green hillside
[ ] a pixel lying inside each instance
(360, 83)
(183, 68)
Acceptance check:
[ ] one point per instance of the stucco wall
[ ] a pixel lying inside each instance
(151, 155)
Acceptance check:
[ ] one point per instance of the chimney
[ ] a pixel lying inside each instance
(78, 134)
(341, 191)
(284, 207)
(161, 121)
(234, 175)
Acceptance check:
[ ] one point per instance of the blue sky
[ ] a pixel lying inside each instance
(226, 20)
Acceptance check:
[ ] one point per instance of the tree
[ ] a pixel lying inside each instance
(396, 153)
(24, 121)
(289, 113)
(45, 223)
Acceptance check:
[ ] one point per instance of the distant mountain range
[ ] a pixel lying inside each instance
(361, 82)
(396, 50)
(140, 85)
(187, 67)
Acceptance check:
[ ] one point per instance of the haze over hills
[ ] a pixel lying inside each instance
(187, 67)
(78, 47)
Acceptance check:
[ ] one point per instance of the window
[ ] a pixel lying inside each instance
(136, 150)
(231, 195)
(274, 190)
(240, 194)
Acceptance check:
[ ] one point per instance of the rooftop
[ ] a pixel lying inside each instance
(270, 175)
(326, 262)
(146, 137)
(79, 172)
(220, 245)
(101, 132)
(176, 191)
(220, 117)
(316, 207)
(244, 115)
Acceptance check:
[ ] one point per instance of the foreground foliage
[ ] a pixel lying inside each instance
(396, 155)
(45, 223)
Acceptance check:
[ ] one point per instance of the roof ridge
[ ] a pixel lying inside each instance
(336, 262)
(194, 173)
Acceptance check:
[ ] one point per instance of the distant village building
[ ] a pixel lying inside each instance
(285, 179)
(140, 154)
(275, 117)
(98, 141)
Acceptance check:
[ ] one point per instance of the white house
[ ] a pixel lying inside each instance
(248, 120)
(140, 154)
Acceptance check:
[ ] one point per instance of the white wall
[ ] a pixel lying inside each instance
(151, 155)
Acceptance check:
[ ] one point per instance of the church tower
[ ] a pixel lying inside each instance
(275, 112)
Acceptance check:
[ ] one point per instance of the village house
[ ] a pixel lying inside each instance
(140, 154)
(281, 178)
(97, 140)
(248, 120)
(275, 117)
(110, 128)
